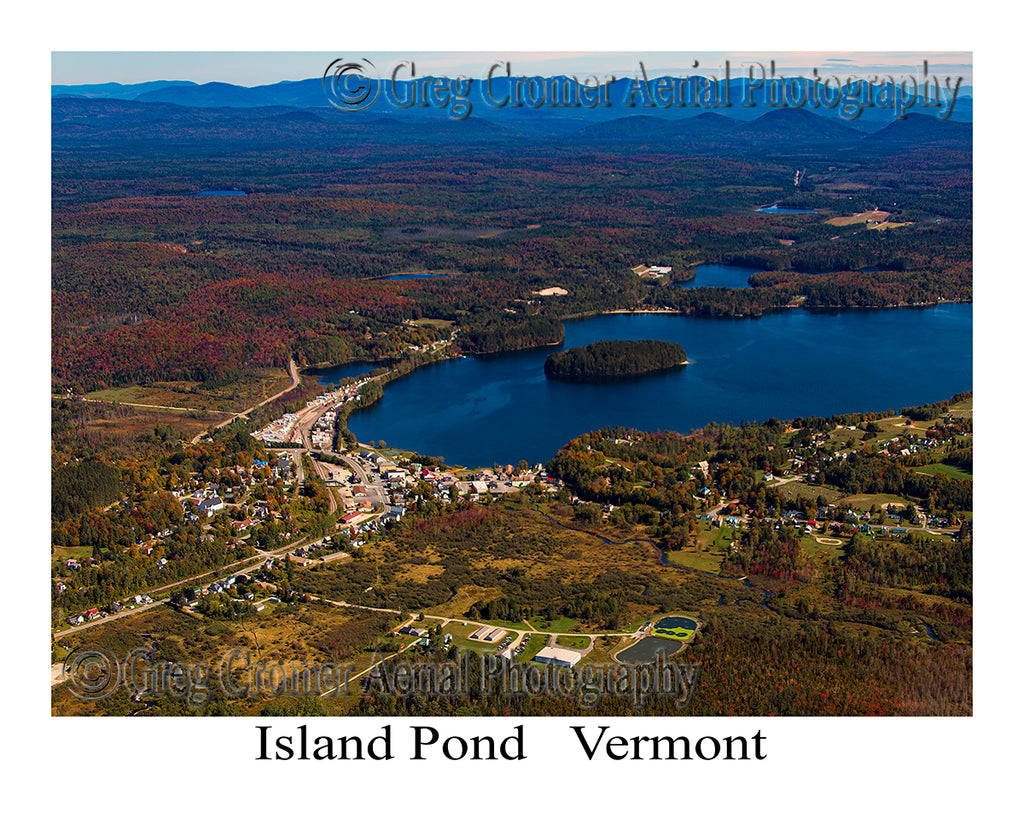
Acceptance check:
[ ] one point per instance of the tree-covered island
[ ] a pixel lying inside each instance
(614, 359)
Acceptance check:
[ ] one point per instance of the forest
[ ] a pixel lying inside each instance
(332, 254)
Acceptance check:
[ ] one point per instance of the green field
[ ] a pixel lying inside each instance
(704, 561)
(562, 625)
(897, 425)
(821, 550)
(953, 472)
(534, 643)
(962, 408)
(63, 553)
(714, 539)
(573, 642)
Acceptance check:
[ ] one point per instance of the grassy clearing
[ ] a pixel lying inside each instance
(714, 539)
(507, 624)
(147, 397)
(189, 396)
(430, 322)
(573, 642)
(823, 552)
(889, 225)
(704, 561)
(953, 472)
(563, 624)
(63, 553)
(419, 573)
(865, 502)
(463, 600)
(141, 421)
(459, 630)
(897, 425)
(858, 218)
(475, 646)
(797, 490)
(847, 437)
(604, 647)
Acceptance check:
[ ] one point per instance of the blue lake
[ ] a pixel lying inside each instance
(221, 193)
(719, 275)
(335, 374)
(477, 412)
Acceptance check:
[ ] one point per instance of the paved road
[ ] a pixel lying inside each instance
(215, 575)
(293, 371)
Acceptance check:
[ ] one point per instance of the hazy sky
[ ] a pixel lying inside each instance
(263, 67)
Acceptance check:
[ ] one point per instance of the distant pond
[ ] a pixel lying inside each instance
(221, 193)
(777, 209)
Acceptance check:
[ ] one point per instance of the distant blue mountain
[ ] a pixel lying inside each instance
(77, 120)
(506, 99)
(920, 130)
(114, 90)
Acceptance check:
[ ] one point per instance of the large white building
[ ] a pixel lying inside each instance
(564, 657)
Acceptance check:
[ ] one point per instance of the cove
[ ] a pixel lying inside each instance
(719, 275)
(477, 412)
(332, 375)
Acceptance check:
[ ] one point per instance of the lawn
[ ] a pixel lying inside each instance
(714, 539)
(534, 643)
(476, 646)
(573, 642)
